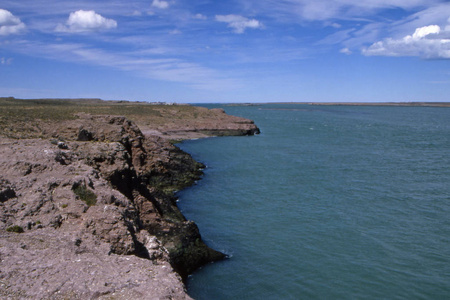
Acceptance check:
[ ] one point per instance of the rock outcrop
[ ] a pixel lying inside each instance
(88, 211)
(218, 123)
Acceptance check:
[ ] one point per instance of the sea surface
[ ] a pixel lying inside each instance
(328, 202)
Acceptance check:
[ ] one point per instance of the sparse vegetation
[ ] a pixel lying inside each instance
(85, 194)
(15, 228)
(23, 118)
(64, 205)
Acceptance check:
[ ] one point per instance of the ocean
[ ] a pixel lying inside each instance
(328, 202)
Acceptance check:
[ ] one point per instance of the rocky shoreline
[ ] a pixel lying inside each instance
(87, 205)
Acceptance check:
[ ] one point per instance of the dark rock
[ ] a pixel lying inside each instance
(62, 145)
(85, 135)
(6, 192)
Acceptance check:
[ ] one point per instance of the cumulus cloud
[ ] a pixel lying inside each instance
(160, 4)
(10, 24)
(426, 42)
(86, 21)
(239, 23)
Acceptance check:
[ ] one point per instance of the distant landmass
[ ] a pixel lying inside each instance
(422, 104)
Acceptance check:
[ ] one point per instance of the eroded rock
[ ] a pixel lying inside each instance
(94, 197)
(125, 244)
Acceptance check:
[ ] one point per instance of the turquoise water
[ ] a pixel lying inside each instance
(329, 202)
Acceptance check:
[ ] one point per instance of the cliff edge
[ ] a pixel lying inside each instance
(87, 205)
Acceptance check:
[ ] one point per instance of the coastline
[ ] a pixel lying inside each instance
(403, 104)
(94, 194)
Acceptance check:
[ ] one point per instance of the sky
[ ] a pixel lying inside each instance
(226, 51)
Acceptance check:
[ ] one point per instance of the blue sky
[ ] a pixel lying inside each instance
(226, 51)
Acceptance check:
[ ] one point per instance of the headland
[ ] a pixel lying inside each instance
(87, 204)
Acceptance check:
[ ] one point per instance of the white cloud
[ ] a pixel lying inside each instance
(424, 31)
(426, 42)
(86, 21)
(336, 25)
(345, 51)
(200, 17)
(434, 14)
(239, 23)
(160, 4)
(10, 24)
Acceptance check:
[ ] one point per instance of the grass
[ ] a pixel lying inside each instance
(15, 228)
(85, 194)
(23, 118)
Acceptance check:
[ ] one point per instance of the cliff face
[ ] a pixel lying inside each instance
(94, 199)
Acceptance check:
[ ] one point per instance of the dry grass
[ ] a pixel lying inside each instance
(24, 118)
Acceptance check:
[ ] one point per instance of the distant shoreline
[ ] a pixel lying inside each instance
(403, 104)
(98, 100)
(421, 104)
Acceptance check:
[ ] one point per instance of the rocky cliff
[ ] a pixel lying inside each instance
(87, 209)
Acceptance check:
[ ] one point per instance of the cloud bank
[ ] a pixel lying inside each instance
(239, 23)
(86, 21)
(426, 42)
(10, 24)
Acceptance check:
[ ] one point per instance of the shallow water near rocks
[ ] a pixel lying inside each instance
(329, 202)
